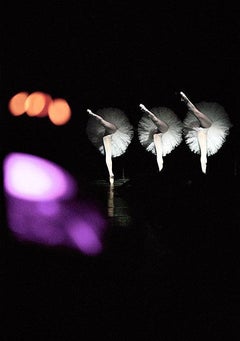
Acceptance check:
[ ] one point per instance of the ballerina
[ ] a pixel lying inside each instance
(111, 133)
(159, 132)
(205, 128)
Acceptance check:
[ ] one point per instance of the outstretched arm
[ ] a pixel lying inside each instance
(111, 128)
(203, 119)
(161, 125)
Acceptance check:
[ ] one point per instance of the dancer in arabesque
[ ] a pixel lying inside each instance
(111, 132)
(159, 131)
(206, 126)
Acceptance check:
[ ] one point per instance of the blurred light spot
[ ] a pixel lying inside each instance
(85, 237)
(37, 104)
(28, 223)
(44, 112)
(48, 208)
(16, 104)
(33, 178)
(43, 208)
(59, 111)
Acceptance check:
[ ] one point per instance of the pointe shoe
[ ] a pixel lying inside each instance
(111, 180)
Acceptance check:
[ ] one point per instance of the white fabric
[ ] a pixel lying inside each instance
(216, 133)
(120, 139)
(170, 139)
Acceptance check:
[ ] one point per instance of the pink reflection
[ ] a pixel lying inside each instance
(48, 212)
(84, 237)
(29, 224)
(86, 229)
(33, 178)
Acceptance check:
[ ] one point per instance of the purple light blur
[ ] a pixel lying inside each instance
(42, 208)
(33, 178)
(84, 237)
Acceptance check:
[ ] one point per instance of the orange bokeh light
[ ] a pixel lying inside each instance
(59, 111)
(16, 104)
(37, 104)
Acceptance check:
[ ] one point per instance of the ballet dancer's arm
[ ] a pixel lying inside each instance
(205, 122)
(111, 128)
(161, 125)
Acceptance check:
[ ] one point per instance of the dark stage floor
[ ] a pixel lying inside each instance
(169, 268)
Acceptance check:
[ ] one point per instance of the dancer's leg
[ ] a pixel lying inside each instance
(202, 140)
(110, 127)
(157, 138)
(161, 125)
(108, 156)
(203, 119)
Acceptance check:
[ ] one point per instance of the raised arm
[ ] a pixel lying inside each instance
(161, 125)
(111, 128)
(205, 122)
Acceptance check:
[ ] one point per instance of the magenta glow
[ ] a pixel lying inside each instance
(33, 178)
(42, 207)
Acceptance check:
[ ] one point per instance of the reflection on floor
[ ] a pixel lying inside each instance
(116, 207)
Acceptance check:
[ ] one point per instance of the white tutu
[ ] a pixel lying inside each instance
(170, 139)
(216, 133)
(120, 139)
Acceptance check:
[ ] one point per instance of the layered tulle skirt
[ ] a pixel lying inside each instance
(216, 133)
(170, 139)
(120, 139)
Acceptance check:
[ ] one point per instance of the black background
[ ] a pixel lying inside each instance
(174, 272)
